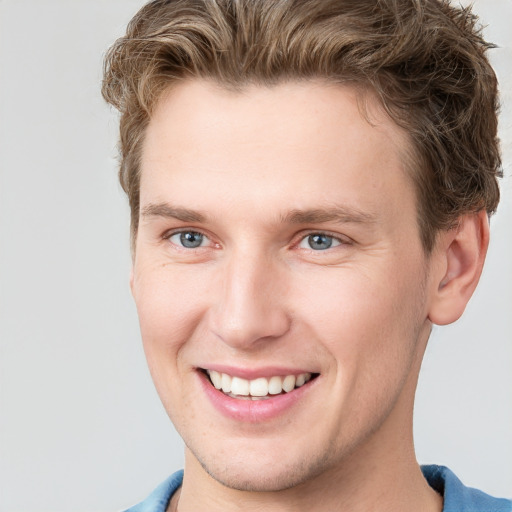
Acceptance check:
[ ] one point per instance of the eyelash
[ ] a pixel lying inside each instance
(303, 239)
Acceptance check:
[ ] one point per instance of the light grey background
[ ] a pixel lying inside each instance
(81, 428)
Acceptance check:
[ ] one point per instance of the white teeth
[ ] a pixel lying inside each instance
(239, 386)
(288, 383)
(259, 387)
(275, 385)
(300, 380)
(216, 379)
(225, 382)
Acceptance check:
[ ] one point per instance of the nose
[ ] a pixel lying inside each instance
(251, 309)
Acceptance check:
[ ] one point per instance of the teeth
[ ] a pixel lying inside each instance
(225, 382)
(260, 387)
(216, 379)
(288, 383)
(239, 386)
(275, 385)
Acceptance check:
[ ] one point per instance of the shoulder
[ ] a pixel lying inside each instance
(458, 497)
(158, 500)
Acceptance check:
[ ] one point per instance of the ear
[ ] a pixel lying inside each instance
(460, 253)
(131, 279)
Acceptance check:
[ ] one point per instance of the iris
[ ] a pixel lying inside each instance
(319, 242)
(191, 239)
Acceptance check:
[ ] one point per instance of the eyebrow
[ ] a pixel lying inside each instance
(341, 214)
(172, 212)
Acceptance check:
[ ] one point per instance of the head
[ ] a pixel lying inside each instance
(300, 176)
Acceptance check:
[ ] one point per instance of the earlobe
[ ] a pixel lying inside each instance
(461, 255)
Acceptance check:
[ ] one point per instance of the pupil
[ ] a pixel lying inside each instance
(191, 239)
(320, 242)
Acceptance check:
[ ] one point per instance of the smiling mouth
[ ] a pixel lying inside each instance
(261, 388)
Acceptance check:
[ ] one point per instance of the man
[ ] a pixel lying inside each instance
(310, 185)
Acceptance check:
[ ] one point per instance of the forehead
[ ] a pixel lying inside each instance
(285, 143)
(198, 109)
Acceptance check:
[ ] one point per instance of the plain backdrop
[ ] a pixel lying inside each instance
(81, 427)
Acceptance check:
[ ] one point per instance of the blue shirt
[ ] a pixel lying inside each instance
(457, 497)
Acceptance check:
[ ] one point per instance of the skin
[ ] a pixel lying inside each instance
(255, 294)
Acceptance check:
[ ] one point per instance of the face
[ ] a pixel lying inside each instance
(278, 258)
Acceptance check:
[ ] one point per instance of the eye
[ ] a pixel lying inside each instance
(319, 242)
(189, 239)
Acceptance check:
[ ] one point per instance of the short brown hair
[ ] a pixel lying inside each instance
(424, 59)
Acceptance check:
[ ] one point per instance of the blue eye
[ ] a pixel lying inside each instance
(189, 239)
(319, 242)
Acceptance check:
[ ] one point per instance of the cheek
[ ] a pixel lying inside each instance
(169, 311)
(167, 299)
(170, 308)
(369, 322)
(370, 328)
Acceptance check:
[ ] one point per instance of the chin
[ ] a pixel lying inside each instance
(266, 475)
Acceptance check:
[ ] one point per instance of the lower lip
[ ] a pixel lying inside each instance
(252, 411)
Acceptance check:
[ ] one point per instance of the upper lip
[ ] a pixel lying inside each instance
(255, 372)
